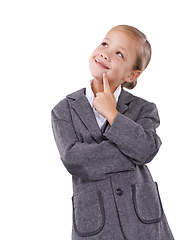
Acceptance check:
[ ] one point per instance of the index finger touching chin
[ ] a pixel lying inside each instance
(106, 83)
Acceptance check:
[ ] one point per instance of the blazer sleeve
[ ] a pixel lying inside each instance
(137, 139)
(94, 161)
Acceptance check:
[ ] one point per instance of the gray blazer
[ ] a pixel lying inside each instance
(114, 195)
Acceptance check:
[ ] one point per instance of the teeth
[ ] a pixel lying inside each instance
(97, 61)
(101, 63)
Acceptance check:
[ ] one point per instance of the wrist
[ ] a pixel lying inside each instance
(112, 116)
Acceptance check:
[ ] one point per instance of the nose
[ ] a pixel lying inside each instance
(105, 56)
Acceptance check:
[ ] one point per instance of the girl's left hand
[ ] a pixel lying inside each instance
(105, 102)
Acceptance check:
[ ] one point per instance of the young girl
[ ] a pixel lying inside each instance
(105, 137)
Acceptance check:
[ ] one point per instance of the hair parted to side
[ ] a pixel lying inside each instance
(143, 50)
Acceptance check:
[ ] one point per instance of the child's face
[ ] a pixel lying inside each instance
(116, 56)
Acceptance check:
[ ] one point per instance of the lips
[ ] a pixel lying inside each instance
(100, 64)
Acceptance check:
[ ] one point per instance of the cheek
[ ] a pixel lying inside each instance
(94, 70)
(95, 52)
(127, 67)
(120, 72)
(91, 59)
(118, 67)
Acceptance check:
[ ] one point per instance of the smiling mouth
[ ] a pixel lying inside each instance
(100, 64)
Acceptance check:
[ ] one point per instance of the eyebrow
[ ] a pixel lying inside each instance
(119, 45)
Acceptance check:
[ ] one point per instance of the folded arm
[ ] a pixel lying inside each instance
(126, 144)
(87, 161)
(137, 139)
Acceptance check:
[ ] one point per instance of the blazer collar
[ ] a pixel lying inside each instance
(86, 114)
(123, 102)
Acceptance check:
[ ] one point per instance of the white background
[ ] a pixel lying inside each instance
(44, 52)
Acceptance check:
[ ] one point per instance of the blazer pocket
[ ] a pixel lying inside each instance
(147, 203)
(88, 213)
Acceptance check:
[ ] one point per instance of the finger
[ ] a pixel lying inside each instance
(98, 93)
(106, 83)
(113, 97)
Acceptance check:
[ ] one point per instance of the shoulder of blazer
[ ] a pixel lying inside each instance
(77, 94)
(124, 100)
(62, 106)
(127, 98)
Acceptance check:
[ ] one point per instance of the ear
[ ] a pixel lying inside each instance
(133, 76)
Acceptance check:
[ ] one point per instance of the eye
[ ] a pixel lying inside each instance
(120, 54)
(104, 44)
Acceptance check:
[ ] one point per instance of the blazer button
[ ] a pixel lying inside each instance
(119, 192)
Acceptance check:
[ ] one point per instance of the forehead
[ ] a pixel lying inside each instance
(121, 39)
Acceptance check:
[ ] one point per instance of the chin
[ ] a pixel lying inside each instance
(98, 75)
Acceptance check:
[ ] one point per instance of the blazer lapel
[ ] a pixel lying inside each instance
(86, 114)
(122, 105)
(123, 102)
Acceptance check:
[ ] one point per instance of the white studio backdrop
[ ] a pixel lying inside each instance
(44, 52)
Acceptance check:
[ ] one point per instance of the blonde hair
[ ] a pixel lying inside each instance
(143, 50)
